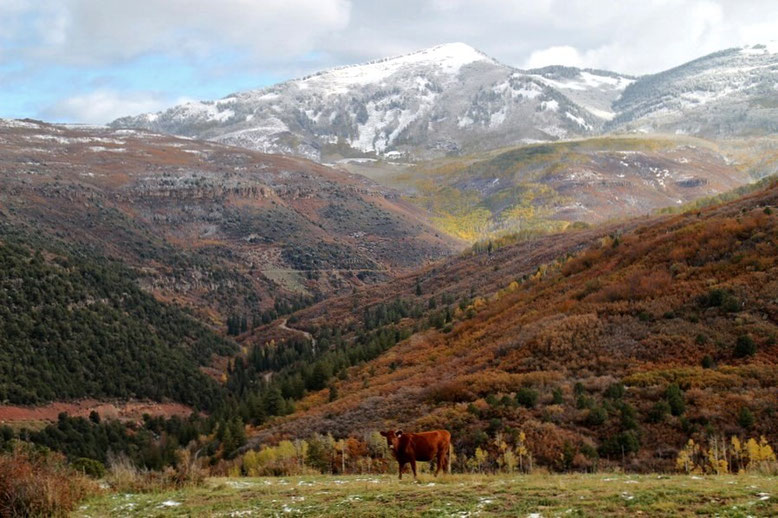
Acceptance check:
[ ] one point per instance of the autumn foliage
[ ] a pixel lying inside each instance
(39, 483)
(686, 301)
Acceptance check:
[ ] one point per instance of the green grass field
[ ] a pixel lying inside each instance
(455, 495)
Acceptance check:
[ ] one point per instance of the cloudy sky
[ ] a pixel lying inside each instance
(95, 60)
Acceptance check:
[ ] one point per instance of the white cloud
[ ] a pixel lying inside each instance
(559, 55)
(653, 35)
(634, 37)
(102, 106)
(107, 31)
(288, 38)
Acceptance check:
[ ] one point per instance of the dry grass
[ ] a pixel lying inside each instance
(124, 476)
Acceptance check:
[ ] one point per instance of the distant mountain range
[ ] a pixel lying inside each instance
(453, 99)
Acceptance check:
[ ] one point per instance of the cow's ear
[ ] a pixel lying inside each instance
(384, 433)
(398, 433)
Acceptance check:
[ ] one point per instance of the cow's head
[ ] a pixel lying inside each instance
(393, 439)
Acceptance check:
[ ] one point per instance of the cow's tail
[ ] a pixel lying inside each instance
(448, 457)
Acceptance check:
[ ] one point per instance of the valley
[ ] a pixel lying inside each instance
(205, 309)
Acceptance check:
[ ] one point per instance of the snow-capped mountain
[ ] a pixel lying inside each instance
(444, 99)
(731, 92)
(453, 98)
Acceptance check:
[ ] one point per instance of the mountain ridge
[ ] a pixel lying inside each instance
(404, 107)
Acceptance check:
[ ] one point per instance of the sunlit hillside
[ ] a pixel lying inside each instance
(622, 352)
(546, 187)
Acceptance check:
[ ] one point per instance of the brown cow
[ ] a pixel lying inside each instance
(424, 446)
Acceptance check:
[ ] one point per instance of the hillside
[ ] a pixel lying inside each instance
(73, 325)
(615, 349)
(538, 188)
(724, 94)
(226, 231)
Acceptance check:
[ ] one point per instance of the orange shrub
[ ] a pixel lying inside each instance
(39, 484)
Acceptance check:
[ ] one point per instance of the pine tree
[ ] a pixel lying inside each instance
(227, 441)
(238, 432)
(274, 401)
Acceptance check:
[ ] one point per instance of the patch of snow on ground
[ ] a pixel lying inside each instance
(496, 119)
(554, 131)
(465, 121)
(588, 81)
(208, 111)
(239, 484)
(99, 149)
(577, 120)
(603, 114)
(15, 123)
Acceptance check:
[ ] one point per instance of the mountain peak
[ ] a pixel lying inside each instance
(448, 58)
(454, 51)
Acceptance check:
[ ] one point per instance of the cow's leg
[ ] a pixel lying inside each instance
(413, 467)
(441, 460)
(402, 467)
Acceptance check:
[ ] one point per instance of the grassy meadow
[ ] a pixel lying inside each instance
(454, 495)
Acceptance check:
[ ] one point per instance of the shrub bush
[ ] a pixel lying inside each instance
(597, 416)
(745, 418)
(527, 397)
(39, 483)
(745, 346)
(658, 412)
(675, 399)
(624, 442)
(615, 391)
(557, 396)
(89, 467)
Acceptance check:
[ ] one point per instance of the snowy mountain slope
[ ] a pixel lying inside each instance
(444, 99)
(731, 92)
(453, 99)
(595, 90)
